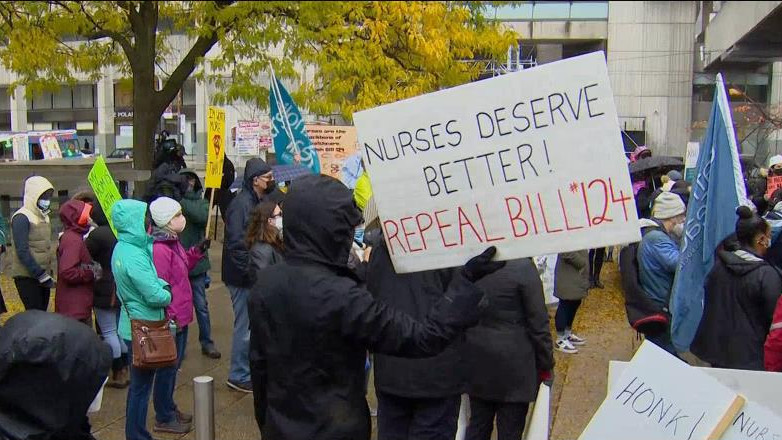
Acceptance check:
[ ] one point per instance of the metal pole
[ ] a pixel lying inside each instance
(204, 404)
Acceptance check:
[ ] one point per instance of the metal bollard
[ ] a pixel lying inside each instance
(204, 407)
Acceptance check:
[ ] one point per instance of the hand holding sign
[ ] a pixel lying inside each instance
(482, 265)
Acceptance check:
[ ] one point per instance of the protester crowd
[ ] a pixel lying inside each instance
(316, 301)
(742, 314)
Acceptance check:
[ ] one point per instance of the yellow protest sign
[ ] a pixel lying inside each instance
(215, 147)
(105, 189)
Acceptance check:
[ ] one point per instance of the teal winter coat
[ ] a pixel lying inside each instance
(141, 292)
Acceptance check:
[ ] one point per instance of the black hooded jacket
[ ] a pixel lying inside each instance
(741, 293)
(311, 324)
(414, 293)
(100, 242)
(236, 256)
(51, 368)
(504, 353)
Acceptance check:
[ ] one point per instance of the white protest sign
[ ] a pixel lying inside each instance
(659, 397)
(756, 420)
(531, 162)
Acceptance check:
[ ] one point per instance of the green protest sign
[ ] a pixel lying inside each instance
(105, 189)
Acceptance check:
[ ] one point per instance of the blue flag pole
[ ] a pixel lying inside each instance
(717, 190)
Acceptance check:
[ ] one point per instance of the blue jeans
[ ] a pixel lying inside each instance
(138, 400)
(198, 284)
(165, 383)
(240, 347)
(107, 321)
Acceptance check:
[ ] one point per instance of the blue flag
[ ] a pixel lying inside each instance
(718, 189)
(291, 143)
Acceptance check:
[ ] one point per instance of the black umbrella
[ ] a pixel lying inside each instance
(659, 164)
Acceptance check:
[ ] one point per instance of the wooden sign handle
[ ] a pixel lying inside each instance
(211, 204)
(727, 418)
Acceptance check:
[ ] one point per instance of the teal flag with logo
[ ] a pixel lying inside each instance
(718, 189)
(292, 146)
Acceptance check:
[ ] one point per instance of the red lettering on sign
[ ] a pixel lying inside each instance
(564, 214)
(408, 234)
(516, 217)
(421, 229)
(604, 217)
(390, 236)
(442, 227)
(483, 225)
(464, 221)
(623, 199)
(545, 219)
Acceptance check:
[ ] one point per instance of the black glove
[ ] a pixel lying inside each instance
(203, 246)
(482, 265)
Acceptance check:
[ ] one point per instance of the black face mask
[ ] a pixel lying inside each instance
(270, 185)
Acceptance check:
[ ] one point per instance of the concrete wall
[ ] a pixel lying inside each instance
(559, 30)
(733, 21)
(650, 59)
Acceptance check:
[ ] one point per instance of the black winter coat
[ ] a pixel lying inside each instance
(100, 242)
(311, 324)
(51, 368)
(415, 294)
(741, 293)
(512, 342)
(236, 256)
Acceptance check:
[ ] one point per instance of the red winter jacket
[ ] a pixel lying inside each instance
(773, 347)
(75, 279)
(173, 264)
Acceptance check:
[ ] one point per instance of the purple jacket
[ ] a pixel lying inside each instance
(173, 264)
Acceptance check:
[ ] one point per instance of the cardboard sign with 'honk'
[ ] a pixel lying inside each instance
(659, 397)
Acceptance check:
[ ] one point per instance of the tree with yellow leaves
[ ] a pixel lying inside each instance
(364, 53)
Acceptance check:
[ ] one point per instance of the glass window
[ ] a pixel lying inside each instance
(522, 11)
(589, 10)
(551, 10)
(84, 96)
(5, 100)
(63, 98)
(42, 101)
(189, 93)
(123, 95)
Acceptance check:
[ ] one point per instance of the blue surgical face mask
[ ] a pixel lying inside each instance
(358, 235)
(44, 204)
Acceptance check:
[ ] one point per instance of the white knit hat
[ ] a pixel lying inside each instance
(163, 209)
(774, 160)
(667, 205)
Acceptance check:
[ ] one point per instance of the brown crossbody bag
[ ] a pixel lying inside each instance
(153, 343)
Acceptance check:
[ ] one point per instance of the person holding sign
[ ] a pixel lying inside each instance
(741, 293)
(658, 255)
(312, 324)
(196, 210)
(32, 233)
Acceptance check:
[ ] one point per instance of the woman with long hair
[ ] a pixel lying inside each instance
(264, 237)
